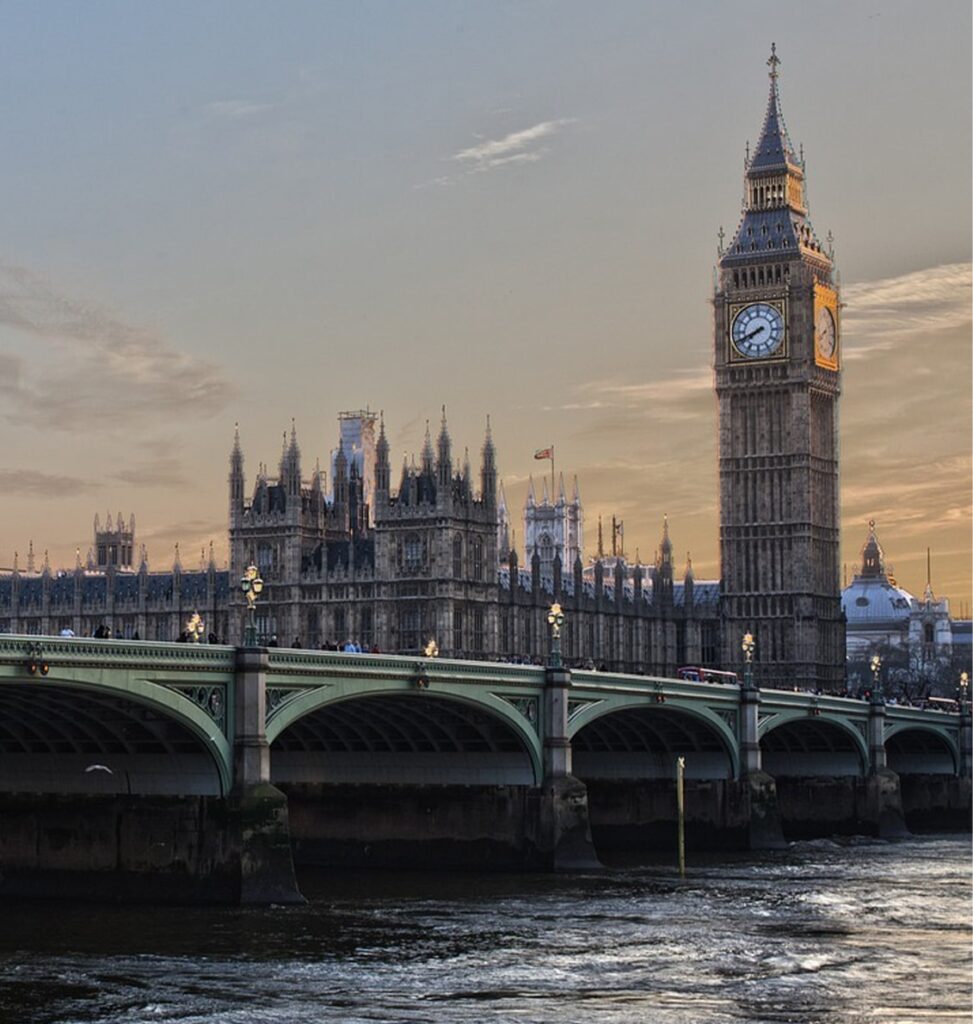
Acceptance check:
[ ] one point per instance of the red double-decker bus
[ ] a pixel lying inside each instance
(697, 674)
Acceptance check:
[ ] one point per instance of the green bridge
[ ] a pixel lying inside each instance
(235, 758)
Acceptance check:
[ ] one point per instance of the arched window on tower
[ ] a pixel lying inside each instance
(477, 552)
(457, 558)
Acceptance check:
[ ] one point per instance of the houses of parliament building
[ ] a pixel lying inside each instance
(394, 561)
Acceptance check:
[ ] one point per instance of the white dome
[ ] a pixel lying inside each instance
(873, 600)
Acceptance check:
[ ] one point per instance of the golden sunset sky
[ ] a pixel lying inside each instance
(218, 213)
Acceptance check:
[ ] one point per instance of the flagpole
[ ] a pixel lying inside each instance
(553, 500)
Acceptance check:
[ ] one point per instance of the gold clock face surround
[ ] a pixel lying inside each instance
(825, 334)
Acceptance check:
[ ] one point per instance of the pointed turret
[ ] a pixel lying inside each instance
(775, 199)
(30, 556)
(561, 499)
(427, 457)
(236, 479)
(503, 526)
(383, 469)
(444, 457)
(292, 458)
(531, 499)
(488, 470)
(341, 488)
(774, 150)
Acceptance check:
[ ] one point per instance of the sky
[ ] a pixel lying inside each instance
(220, 213)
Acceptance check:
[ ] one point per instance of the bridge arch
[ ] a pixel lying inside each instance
(65, 734)
(641, 738)
(403, 735)
(798, 744)
(916, 749)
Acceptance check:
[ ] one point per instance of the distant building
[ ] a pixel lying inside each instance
(106, 593)
(916, 638)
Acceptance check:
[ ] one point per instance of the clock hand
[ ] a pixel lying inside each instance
(754, 332)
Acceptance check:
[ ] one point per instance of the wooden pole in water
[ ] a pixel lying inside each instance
(681, 812)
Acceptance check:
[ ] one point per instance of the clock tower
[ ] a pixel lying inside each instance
(777, 358)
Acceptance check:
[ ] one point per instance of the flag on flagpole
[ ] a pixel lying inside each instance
(544, 453)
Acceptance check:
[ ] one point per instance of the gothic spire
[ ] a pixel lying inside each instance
(774, 150)
(427, 459)
(445, 458)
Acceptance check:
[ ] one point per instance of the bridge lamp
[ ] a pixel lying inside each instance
(964, 685)
(431, 649)
(195, 627)
(251, 584)
(555, 619)
(875, 664)
(748, 646)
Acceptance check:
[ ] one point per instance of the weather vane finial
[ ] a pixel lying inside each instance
(773, 60)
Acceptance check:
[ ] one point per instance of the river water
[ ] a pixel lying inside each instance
(859, 932)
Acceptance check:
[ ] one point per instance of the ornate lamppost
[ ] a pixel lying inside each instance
(961, 691)
(195, 627)
(431, 650)
(251, 584)
(555, 619)
(748, 646)
(878, 697)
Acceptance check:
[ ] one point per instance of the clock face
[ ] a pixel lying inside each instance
(758, 331)
(825, 335)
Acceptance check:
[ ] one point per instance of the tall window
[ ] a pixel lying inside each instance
(366, 626)
(410, 623)
(457, 630)
(413, 553)
(477, 559)
(457, 558)
(505, 631)
(340, 625)
(478, 630)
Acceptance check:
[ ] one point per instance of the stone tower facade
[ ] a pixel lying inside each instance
(553, 527)
(114, 543)
(777, 363)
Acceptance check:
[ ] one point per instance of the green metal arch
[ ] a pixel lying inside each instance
(701, 713)
(319, 697)
(160, 698)
(937, 730)
(801, 714)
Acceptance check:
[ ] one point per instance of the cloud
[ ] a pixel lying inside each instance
(96, 369)
(163, 472)
(492, 151)
(35, 484)
(520, 147)
(879, 315)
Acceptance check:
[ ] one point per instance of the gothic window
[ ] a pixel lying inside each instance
(929, 633)
(412, 551)
(528, 633)
(477, 559)
(340, 626)
(478, 630)
(410, 623)
(457, 631)
(505, 631)
(457, 558)
(546, 549)
(266, 560)
(366, 627)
